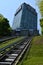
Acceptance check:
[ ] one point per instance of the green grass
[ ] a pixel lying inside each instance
(35, 55)
(2, 45)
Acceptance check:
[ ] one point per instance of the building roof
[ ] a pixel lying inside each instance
(29, 7)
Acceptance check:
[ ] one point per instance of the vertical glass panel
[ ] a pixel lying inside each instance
(17, 20)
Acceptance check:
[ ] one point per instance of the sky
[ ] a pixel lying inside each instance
(9, 7)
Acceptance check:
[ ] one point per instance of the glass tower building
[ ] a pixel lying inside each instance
(25, 19)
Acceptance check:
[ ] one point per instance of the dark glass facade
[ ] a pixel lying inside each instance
(25, 18)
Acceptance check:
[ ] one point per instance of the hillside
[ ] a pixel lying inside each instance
(35, 55)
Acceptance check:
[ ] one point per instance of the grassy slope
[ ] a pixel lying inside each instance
(35, 56)
(10, 42)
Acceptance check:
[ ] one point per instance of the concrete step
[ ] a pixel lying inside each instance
(12, 57)
(16, 51)
(5, 63)
(9, 59)
(21, 47)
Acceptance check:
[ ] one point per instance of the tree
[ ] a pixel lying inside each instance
(41, 23)
(4, 26)
(40, 5)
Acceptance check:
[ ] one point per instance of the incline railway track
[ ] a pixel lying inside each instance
(7, 46)
(7, 38)
(12, 57)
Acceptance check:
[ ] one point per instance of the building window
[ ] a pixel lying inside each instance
(18, 10)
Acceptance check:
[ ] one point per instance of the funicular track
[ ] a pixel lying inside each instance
(7, 38)
(13, 56)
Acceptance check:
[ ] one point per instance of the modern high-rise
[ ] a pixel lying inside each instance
(25, 19)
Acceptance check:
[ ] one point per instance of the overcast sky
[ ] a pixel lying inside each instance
(8, 8)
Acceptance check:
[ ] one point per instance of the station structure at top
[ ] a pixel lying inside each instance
(25, 20)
